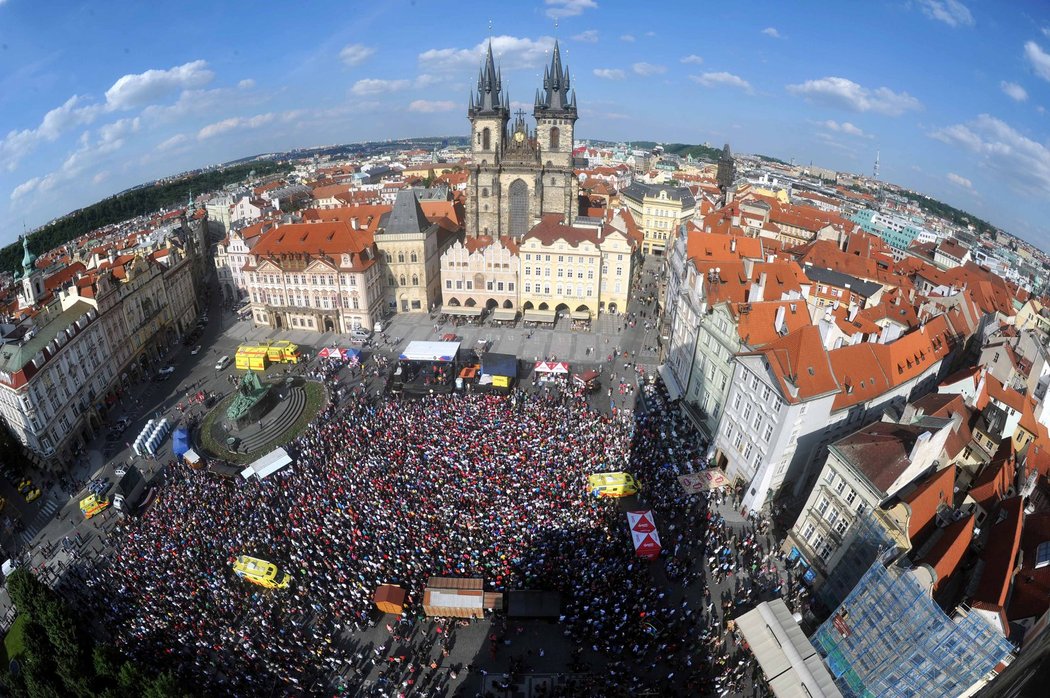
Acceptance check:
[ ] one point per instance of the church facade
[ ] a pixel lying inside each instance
(520, 173)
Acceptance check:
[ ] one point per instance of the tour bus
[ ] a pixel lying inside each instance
(258, 571)
(92, 504)
(612, 484)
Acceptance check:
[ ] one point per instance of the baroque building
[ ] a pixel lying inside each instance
(520, 174)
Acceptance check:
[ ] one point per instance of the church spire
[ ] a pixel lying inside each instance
(556, 85)
(490, 86)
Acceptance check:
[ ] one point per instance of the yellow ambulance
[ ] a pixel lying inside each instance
(261, 572)
(612, 484)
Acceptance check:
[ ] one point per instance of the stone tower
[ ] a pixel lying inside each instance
(520, 174)
(726, 174)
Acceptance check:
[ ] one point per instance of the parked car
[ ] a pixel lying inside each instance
(196, 350)
(32, 495)
(222, 363)
(360, 335)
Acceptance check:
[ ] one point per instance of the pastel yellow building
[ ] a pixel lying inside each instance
(659, 210)
(578, 270)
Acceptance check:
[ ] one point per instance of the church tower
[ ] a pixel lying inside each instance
(555, 113)
(489, 112)
(32, 279)
(726, 175)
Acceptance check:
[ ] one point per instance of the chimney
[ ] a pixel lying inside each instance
(758, 289)
(732, 244)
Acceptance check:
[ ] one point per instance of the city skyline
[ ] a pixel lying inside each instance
(98, 102)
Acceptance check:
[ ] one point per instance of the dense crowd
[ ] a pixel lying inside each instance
(477, 485)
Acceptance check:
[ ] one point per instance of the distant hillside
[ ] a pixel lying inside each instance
(128, 204)
(948, 212)
(699, 152)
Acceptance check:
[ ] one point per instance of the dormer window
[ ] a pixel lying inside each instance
(1042, 554)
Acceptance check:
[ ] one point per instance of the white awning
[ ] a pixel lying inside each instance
(580, 315)
(461, 310)
(268, 464)
(191, 457)
(430, 351)
(673, 390)
(504, 314)
(790, 662)
(539, 316)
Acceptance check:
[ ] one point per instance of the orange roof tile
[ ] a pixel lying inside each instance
(703, 246)
(322, 238)
(947, 553)
(756, 322)
(1000, 555)
(926, 499)
(1031, 591)
(801, 365)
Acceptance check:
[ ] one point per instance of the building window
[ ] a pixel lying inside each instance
(769, 433)
(415, 280)
(555, 141)
(822, 505)
(807, 531)
(736, 401)
(747, 411)
(499, 286)
(851, 497)
(448, 284)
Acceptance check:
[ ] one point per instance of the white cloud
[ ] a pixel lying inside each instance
(141, 89)
(1015, 157)
(374, 86)
(692, 58)
(650, 34)
(771, 32)
(511, 51)
(246, 84)
(1014, 91)
(18, 144)
(848, 94)
(960, 180)
(722, 79)
(233, 123)
(25, 188)
(844, 127)
(648, 69)
(629, 38)
(1039, 59)
(355, 54)
(588, 37)
(568, 8)
(176, 140)
(425, 106)
(951, 12)
(609, 73)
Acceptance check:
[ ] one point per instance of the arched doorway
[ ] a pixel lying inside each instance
(278, 323)
(491, 303)
(453, 302)
(519, 208)
(583, 309)
(562, 309)
(528, 305)
(329, 326)
(508, 304)
(470, 303)
(612, 307)
(544, 306)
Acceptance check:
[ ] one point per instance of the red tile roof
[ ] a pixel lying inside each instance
(1031, 592)
(757, 326)
(926, 499)
(324, 238)
(1000, 554)
(713, 247)
(947, 553)
(800, 365)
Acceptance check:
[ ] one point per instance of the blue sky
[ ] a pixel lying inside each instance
(97, 97)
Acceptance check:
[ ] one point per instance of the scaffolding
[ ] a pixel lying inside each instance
(889, 639)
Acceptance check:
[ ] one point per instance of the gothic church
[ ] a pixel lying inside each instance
(520, 174)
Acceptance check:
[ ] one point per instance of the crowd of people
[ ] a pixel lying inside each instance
(387, 490)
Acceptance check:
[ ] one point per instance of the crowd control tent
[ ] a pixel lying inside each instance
(180, 441)
(644, 534)
(268, 464)
(390, 598)
(556, 367)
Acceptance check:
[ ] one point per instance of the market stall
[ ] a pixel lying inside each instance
(586, 381)
(454, 597)
(268, 465)
(504, 317)
(551, 371)
(644, 534)
(390, 598)
(539, 317)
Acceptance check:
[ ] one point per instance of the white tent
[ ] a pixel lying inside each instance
(267, 465)
(430, 351)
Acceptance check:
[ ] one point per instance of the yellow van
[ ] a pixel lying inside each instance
(258, 571)
(91, 505)
(612, 484)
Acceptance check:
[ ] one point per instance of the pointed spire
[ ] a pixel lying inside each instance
(556, 84)
(490, 84)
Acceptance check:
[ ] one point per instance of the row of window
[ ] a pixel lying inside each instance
(566, 259)
(581, 292)
(489, 285)
(567, 272)
(301, 279)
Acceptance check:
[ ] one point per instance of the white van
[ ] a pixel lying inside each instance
(222, 363)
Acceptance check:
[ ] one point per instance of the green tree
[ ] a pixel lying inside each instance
(164, 686)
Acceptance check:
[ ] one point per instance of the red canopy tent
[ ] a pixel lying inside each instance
(552, 367)
(324, 353)
(644, 534)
